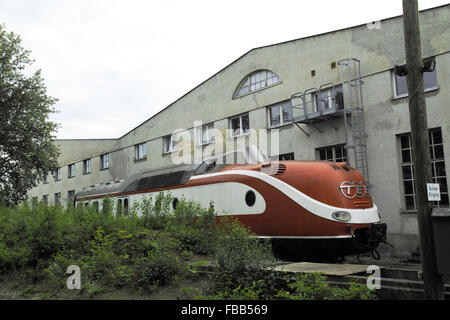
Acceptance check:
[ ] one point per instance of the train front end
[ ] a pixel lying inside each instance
(328, 211)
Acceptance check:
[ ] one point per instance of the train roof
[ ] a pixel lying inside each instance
(161, 178)
(171, 176)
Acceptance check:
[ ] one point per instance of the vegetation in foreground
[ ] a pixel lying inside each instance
(158, 255)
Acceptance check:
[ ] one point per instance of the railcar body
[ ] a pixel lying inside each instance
(310, 209)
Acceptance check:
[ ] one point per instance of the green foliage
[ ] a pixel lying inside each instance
(240, 255)
(314, 287)
(26, 147)
(145, 253)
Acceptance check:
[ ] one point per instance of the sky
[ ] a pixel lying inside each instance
(114, 64)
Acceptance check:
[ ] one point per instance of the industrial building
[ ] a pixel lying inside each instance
(333, 96)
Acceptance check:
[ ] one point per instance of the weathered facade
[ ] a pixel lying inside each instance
(295, 66)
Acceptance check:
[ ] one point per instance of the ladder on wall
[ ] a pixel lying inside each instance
(353, 113)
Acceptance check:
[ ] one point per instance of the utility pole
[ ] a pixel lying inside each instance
(433, 284)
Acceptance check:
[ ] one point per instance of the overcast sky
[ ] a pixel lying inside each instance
(114, 64)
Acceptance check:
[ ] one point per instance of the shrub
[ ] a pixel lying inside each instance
(158, 268)
(240, 255)
(314, 287)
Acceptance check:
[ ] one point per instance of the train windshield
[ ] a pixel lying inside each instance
(250, 155)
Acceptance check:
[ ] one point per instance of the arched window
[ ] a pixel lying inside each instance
(256, 81)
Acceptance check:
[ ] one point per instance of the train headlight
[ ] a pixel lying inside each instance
(342, 216)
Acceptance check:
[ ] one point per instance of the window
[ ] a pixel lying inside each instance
(104, 159)
(286, 156)
(34, 202)
(141, 151)
(328, 99)
(401, 85)
(45, 199)
(239, 125)
(206, 134)
(336, 153)
(256, 81)
(280, 114)
(169, 144)
(71, 170)
(46, 178)
(58, 174)
(437, 167)
(70, 197)
(57, 198)
(87, 166)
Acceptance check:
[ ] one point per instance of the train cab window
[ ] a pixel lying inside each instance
(206, 166)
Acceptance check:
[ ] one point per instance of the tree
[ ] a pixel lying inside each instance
(27, 152)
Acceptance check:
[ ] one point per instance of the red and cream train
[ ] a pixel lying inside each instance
(310, 209)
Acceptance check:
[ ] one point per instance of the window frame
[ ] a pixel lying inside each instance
(71, 170)
(210, 133)
(280, 114)
(87, 166)
(103, 162)
(410, 165)
(137, 151)
(282, 157)
(334, 157)
(404, 95)
(58, 174)
(57, 199)
(248, 78)
(172, 144)
(232, 135)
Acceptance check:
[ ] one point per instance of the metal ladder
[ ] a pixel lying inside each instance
(350, 77)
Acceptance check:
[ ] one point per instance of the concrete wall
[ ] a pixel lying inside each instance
(379, 50)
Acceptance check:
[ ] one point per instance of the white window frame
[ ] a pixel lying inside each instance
(281, 118)
(172, 144)
(209, 134)
(254, 82)
(141, 151)
(233, 135)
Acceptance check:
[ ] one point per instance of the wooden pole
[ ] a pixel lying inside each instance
(433, 284)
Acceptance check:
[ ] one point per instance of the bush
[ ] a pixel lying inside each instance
(314, 287)
(158, 268)
(241, 257)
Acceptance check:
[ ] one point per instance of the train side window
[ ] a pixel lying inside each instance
(119, 207)
(125, 206)
(86, 204)
(95, 204)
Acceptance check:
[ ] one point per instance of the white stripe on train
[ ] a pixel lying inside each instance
(369, 215)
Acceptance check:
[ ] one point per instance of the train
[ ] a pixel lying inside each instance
(309, 210)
